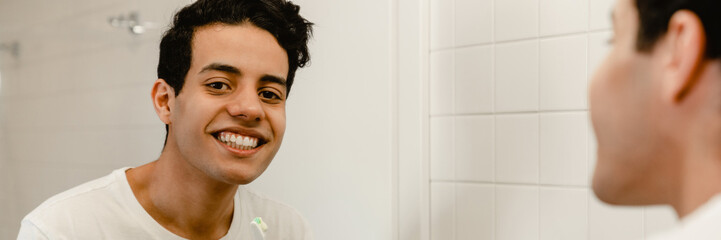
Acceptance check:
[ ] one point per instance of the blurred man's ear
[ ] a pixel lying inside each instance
(682, 49)
(163, 98)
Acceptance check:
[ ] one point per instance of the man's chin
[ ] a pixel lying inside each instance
(604, 193)
(242, 171)
(605, 187)
(242, 175)
(614, 191)
(240, 178)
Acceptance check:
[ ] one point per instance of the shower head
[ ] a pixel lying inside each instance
(132, 23)
(13, 48)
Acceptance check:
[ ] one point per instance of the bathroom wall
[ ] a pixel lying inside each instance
(77, 105)
(511, 146)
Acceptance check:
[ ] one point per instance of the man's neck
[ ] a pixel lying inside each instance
(700, 180)
(183, 199)
(697, 125)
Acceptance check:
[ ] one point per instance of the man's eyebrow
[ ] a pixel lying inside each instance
(221, 67)
(274, 79)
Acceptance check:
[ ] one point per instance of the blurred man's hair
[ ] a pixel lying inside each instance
(654, 16)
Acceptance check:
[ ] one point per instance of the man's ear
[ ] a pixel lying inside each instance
(684, 46)
(163, 99)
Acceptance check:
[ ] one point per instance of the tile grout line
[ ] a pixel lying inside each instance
(453, 131)
(588, 57)
(538, 193)
(523, 39)
(544, 112)
(494, 224)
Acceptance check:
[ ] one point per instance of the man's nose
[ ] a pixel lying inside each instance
(246, 105)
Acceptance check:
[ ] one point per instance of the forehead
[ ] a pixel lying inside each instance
(244, 46)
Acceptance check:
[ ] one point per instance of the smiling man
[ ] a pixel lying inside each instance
(225, 70)
(656, 111)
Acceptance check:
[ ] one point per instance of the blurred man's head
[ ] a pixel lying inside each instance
(653, 103)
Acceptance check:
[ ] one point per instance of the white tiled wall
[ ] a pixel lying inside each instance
(509, 112)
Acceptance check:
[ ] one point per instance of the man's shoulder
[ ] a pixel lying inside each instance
(76, 202)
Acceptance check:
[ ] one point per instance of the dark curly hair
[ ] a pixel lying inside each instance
(279, 17)
(654, 16)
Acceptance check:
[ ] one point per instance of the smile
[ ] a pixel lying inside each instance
(238, 141)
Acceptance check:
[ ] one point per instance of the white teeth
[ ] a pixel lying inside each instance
(238, 141)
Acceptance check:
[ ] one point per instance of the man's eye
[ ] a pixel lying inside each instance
(268, 95)
(218, 85)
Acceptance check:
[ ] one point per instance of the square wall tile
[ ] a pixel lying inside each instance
(24, 145)
(659, 219)
(515, 19)
(9, 80)
(128, 105)
(474, 148)
(129, 146)
(600, 14)
(474, 22)
(598, 48)
(516, 213)
(610, 222)
(516, 79)
(59, 76)
(564, 149)
(474, 211)
(563, 16)
(441, 134)
(36, 111)
(141, 57)
(563, 214)
(441, 92)
(8, 230)
(473, 80)
(563, 73)
(441, 24)
(517, 148)
(442, 211)
(26, 78)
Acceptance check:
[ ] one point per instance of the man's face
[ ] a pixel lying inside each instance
(228, 121)
(624, 97)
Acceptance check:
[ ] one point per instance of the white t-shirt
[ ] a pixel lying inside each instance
(106, 208)
(702, 224)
